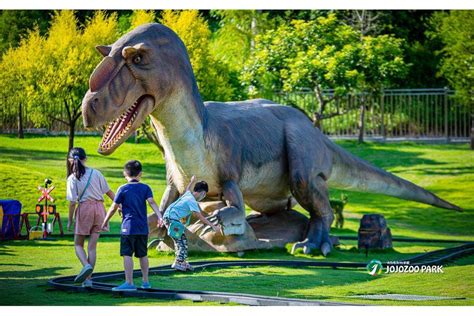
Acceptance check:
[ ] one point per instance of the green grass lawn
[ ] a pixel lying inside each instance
(447, 170)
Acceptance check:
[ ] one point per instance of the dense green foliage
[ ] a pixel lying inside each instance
(47, 56)
(324, 53)
(456, 30)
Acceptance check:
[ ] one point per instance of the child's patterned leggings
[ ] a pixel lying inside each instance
(181, 248)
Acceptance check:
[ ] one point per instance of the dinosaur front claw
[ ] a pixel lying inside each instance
(205, 230)
(231, 219)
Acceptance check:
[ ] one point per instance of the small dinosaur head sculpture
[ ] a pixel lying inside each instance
(137, 76)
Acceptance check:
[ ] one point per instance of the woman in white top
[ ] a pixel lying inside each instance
(85, 189)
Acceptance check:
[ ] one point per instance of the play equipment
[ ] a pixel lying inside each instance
(12, 220)
(35, 233)
(374, 233)
(10, 214)
(45, 209)
(102, 281)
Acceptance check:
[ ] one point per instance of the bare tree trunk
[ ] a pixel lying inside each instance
(253, 29)
(316, 120)
(20, 121)
(318, 115)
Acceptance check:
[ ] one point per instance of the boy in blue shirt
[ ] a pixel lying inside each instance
(181, 210)
(132, 197)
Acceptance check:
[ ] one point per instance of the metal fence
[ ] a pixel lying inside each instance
(9, 119)
(394, 113)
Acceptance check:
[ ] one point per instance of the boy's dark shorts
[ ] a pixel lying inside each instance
(134, 244)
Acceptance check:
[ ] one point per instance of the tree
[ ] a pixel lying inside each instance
(69, 57)
(49, 75)
(140, 17)
(212, 77)
(412, 26)
(456, 31)
(319, 54)
(381, 62)
(20, 77)
(322, 54)
(233, 42)
(16, 24)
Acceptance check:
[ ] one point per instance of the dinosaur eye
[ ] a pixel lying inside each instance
(137, 59)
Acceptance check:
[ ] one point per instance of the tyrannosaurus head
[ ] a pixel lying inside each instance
(138, 74)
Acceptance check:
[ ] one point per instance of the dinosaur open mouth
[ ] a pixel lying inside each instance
(120, 127)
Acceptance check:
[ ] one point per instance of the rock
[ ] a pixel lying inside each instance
(374, 233)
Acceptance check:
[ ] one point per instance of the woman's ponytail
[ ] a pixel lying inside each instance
(75, 156)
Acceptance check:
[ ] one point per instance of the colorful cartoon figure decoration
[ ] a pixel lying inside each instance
(43, 210)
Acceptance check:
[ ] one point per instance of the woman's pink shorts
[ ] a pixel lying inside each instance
(89, 217)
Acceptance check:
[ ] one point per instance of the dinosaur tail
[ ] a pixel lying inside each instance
(352, 173)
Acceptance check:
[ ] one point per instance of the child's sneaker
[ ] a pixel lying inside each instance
(188, 266)
(87, 283)
(180, 266)
(84, 274)
(125, 287)
(146, 285)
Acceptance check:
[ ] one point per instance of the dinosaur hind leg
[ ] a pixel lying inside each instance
(312, 194)
(308, 166)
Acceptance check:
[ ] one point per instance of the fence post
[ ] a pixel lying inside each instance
(382, 99)
(446, 131)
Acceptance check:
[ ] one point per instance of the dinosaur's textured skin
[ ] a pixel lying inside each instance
(254, 152)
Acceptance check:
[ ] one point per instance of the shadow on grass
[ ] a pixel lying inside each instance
(15, 264)
(31, 154)
(31, 274)
(4, 252)
(55, 241)
(344, 231)
(15, 154)
(449, 171)
(153, 171)
(377, 154)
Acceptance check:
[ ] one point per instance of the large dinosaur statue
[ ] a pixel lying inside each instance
(254, 152)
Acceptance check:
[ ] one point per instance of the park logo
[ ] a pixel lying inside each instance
(374, 267)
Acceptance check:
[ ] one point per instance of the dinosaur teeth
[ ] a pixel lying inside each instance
(120, 126)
